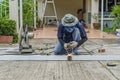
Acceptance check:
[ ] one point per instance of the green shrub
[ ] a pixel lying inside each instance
(8, 28)
(15, 38)
(116, 12)
(108, 30)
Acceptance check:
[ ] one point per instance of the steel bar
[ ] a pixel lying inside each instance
(60, 57)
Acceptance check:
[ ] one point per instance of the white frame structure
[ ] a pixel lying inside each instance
(44, 6)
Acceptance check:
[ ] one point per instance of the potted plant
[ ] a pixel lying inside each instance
(116, 21)
(96, 24)
(8, 32)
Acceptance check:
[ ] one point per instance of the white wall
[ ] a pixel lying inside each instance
(63, 7)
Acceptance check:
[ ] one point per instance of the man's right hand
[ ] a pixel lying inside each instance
(66, 45)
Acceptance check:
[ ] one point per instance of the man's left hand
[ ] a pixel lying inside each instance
(73, 44)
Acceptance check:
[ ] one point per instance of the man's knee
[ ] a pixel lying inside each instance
(76, 35)
(77, 31)
(59, 52)
(75, 51)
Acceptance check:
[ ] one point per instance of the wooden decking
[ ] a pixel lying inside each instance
(58, 70)
(64, 70)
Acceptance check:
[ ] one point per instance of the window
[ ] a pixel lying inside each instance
(117, 2)
(108, 4)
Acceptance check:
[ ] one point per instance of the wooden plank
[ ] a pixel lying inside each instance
(115, 70)
(53, 70)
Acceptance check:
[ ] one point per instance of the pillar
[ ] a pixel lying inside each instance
(94, 10)
(13, 12)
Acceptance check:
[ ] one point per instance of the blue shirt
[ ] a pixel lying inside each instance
(65, 36)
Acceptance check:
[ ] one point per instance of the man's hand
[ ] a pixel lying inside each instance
(66, 45)
(73, 44)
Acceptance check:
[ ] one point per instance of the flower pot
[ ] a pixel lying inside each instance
(96, 25)
(6, 39)
(118, 32)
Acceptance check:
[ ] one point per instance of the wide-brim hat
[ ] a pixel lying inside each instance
(69, 20)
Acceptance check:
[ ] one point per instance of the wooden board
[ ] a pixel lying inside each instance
(53, 70)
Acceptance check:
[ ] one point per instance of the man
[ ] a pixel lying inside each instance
(80, 16)
(71, 34)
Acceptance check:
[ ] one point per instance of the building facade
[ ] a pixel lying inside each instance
(89, 7)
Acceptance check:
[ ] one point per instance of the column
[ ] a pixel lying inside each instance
(13, 12)
(94, 10)
(88, 10)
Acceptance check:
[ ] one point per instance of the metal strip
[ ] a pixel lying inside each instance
(61, 58)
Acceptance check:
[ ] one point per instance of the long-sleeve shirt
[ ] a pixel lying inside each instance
(61, 33)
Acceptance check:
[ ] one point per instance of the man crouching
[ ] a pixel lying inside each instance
(71, 34)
